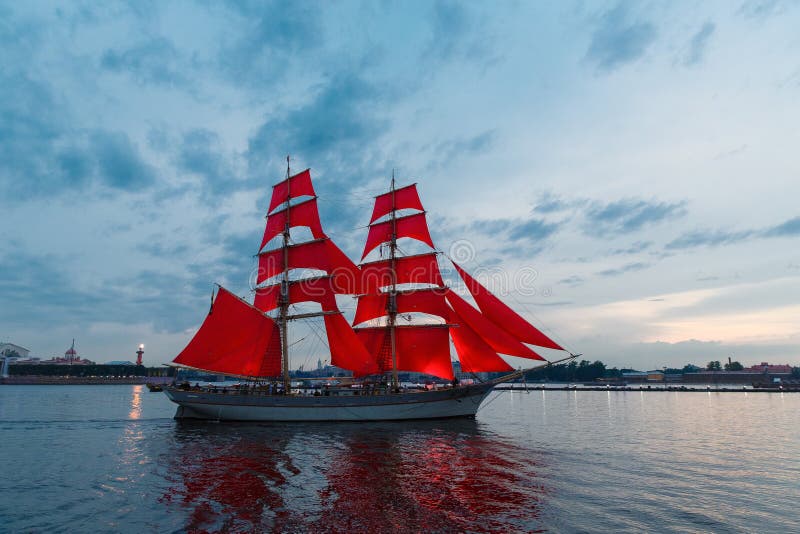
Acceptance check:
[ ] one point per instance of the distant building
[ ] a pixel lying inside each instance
(765, 367)
(732, 377)
(634, 376)
(70, 358)
(655, 376)
(120, 362)
(9, 350)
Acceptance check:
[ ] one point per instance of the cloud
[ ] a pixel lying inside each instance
(761, 9)
(789, 228)
(45, 149)
(338, 126)
(571, 281)
(31, 126)
(200, 152)
(730, 153)
(155, 61)
(490, 227)
(549, 202)
(454, 148)
(119, 163)
(155, 246)
(268, 36)
(627, 268)
(636, 247)
(710, 238)
(618, 41)
(698, 44)
(534, 230)
(514, 237)
(59, 301)
(42, 154)
(629, 215)
(515, 229)
(713, 238)
(457, 34)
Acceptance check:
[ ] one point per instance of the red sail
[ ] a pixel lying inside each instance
(475, 355)
(346, 274)
(298, 185)
(413, 226)
(347, 351)
(503, 316)
(497, 338)
(417, 269)
(309, 255)
(404, 198)
(318, 289)
(420, 349)
(428, 300)
(235, 339)
(303, 214)
(320, 254)
(370, 307)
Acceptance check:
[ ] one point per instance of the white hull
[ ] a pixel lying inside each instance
(452, 402)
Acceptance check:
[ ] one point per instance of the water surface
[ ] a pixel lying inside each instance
(111, 458)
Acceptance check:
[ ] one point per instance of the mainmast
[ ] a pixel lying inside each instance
(284, 296)
(391, 302)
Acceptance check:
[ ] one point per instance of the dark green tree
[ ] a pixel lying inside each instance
(714, 366)
(734, 366)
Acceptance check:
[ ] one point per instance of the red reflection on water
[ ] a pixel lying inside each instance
(443, 483)
(375, 478)
(230, 488)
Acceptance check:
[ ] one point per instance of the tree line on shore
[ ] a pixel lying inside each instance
(586, 371)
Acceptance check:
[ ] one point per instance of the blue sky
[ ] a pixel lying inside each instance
(630, 166)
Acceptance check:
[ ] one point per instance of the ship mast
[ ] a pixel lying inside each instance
(391, 302)
(284, 296)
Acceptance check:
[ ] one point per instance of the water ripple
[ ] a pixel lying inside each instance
(113, 460)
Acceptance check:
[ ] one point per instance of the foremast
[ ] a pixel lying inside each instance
(283, 316)
(391, 301)
(289, 209)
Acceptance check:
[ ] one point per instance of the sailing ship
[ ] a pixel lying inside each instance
(251, 341)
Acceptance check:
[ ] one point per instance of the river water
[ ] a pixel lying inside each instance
(111, 458)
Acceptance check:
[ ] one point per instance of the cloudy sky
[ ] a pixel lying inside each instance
(630, 168)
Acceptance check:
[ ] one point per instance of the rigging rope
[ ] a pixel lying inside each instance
(550, 331)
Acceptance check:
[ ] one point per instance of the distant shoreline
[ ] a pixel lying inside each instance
(697, 388)
(141, 380)
(83, 381)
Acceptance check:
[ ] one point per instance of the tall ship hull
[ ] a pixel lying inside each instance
(461, 401)
(405, 319)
